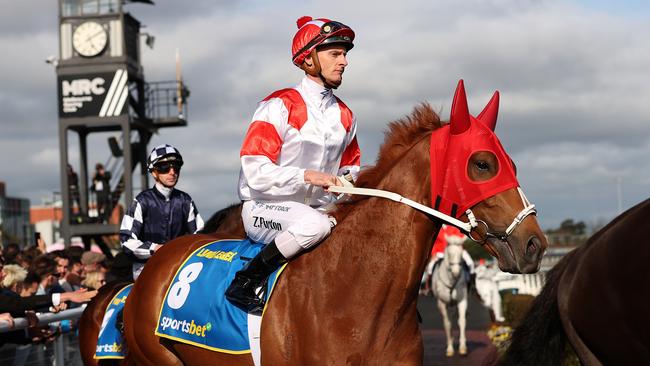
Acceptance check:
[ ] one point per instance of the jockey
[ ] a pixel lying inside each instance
(299, 141)
(160, 213)
(447, 233)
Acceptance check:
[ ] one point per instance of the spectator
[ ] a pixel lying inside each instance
(17, 305)
(91, 262)
(14, 276)
(45, 268)
(94, 280)
(10, 252)
(62, 261)
(72, 280)
(101, 187)
(22, 259)
(29, 286)
(73, 191)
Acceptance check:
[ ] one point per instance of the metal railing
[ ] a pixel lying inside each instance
(166, 99)
(54, 320)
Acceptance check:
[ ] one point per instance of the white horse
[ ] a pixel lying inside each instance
(449, 286)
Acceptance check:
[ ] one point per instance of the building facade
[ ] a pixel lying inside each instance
(14, 219)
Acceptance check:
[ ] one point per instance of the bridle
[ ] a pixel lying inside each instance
(471, 226)
(529, 209)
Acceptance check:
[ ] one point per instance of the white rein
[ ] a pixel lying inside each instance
(466, 226)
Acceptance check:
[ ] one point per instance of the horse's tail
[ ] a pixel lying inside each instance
(540, 338)
(218, 218)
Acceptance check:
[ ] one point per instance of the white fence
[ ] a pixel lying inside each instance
(527, 284)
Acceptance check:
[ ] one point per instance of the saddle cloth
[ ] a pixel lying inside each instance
(109, 342)
(195, 309)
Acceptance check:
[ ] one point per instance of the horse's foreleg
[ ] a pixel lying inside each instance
(447, 323)
(462, 322)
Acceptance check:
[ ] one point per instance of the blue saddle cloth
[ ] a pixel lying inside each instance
(195, 309)
(109, 342)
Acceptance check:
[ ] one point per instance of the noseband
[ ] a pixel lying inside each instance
(529, 209)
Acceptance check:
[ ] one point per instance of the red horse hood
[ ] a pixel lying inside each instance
(452, 145)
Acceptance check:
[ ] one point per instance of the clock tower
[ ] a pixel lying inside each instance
(101, 88)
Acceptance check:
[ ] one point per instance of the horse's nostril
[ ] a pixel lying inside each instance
(531, 246)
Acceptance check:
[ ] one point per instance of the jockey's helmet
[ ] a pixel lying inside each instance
(164, 153)
(317, 32)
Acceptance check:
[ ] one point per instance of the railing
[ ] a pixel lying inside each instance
(528, 284)
(53, 319)
(166, 100)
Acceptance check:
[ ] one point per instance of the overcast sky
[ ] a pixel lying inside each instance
(574, 78)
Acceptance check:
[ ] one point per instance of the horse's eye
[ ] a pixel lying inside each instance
(482, 165)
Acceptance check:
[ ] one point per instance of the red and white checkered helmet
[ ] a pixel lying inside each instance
(316, 32)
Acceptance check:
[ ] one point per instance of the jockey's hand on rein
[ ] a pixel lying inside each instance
(320, 179)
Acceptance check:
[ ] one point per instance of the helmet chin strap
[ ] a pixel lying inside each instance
(315, 70)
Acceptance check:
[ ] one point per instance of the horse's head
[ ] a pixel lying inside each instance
(454, 254)
(472, 175)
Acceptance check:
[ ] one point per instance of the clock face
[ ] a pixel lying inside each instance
(89, 39)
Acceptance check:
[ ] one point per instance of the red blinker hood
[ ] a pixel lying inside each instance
(452, 192)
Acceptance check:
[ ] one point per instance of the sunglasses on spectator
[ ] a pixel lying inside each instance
(55, 274)
(165, 167)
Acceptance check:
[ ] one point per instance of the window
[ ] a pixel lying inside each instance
(89, 7)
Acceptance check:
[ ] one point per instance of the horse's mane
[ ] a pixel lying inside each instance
(398, 139)
(400, 136)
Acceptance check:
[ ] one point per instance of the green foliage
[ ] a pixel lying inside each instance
(515, 307)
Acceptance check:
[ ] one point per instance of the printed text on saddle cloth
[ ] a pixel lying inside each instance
(452, 145)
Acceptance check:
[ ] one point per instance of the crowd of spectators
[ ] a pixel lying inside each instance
(34, 281)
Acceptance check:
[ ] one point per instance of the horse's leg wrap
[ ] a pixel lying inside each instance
(242, 290)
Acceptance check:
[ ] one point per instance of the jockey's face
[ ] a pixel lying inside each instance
(168, 177)
(333, 61)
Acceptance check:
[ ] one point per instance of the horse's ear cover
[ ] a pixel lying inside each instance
(452, 191)
(489, 115)
(459, 119)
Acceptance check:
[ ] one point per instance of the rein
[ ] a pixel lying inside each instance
(468, 227)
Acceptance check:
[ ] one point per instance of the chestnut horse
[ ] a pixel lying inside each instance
(227, 220)
(91, 322)
(352, 299)
(596, 299)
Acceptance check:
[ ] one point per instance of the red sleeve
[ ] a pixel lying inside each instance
(262, 139)
(352, 154)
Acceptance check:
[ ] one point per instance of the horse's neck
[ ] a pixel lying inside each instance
(389, 242)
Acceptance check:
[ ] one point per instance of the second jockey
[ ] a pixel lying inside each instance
(158, 214)
(300, 140)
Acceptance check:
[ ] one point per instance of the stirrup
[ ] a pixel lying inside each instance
(239, 293)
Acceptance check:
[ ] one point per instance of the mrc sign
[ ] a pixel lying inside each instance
(99, 94)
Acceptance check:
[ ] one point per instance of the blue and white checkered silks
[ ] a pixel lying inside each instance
(167, 219)
(161, 151)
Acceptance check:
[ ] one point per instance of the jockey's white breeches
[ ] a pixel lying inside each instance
(294, 226)
(137, 269)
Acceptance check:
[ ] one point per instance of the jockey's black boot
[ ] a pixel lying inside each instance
(241, 291)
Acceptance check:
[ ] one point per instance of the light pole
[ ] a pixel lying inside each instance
(619, 194)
